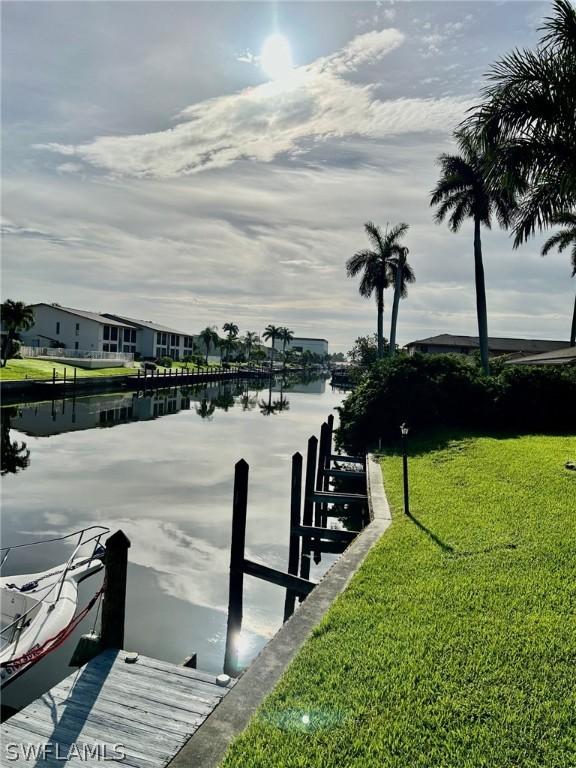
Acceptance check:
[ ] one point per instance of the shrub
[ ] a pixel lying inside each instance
(166, 362)
(434, 391)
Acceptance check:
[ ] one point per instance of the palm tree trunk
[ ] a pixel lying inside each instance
(573, 329)
(380, 303)
(395, 305)
(481, 310)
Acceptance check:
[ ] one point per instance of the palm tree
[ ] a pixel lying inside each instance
(14, 456)
(374, 265)
(402, 275)
(526, 123)
(286, 336)
(231, 330)
(16, 316)
(562, 240)
(209, 337)
(464, 192)
(206, 409)
(271, 332)
(250, 339)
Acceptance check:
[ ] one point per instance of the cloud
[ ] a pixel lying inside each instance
(261, 123)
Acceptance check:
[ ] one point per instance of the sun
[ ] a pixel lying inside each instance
(276, 57)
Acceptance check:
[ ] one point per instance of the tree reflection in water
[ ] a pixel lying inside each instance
(14, 455)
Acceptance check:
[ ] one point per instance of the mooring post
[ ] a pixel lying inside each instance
(53, 375)
(319, 507)
(294, 546)
(235, 595)
(327, 464)
(308, 504)
(114, 603)
(74, 385)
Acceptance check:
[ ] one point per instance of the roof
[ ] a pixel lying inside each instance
(147, 324)
(307, 338)
(564, 356)
(494, 343)
(95, 316)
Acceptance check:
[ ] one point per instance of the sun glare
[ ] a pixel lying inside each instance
(276, 57)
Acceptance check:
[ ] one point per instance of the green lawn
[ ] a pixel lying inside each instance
(31, 368)
(455, 644)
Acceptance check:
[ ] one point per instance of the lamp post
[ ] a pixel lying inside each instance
(404, 432)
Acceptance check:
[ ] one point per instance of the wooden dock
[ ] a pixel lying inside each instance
(110, 711)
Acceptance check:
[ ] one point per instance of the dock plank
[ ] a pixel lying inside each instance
(150, 707)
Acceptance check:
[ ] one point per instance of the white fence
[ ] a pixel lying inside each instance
(80, 354)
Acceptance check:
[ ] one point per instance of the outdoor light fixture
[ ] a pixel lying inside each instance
(404, 433)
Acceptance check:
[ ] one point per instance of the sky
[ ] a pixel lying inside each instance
(152, 168)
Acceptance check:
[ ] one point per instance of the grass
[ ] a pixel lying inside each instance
(31, 368)
(454, 644)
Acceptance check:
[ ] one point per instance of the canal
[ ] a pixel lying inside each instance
(160, 466)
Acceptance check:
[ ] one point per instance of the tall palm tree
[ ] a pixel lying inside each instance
(374, 266)
(527, 127)
(250, 339)
(563, 239)
(209, 337)
(231, 330)
(286, 336)
(464, 192)
(402, 275)
(16, 316)
(271, 332)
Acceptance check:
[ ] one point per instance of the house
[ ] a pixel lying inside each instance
(565, 356)
(304, 344)
(64, 327)
(467, 345)
(154, 340)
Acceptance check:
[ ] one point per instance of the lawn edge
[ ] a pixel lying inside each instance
(208, 746)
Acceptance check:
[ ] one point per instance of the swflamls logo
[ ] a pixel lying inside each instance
(63, 752)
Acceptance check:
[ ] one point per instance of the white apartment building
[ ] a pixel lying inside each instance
(57, 326)
(155, 340)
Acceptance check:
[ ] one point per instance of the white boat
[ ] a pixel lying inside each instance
(40, 610)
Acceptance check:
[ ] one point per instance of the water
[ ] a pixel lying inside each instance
(161, 468)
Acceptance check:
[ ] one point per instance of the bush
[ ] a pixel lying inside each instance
(433, 391)
(166, 362)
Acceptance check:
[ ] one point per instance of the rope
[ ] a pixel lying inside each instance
(39, 651)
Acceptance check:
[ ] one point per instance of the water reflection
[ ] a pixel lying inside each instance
(110, 410)
(14, 454)
(160, 466)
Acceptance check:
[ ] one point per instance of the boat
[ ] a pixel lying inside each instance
(40, 610)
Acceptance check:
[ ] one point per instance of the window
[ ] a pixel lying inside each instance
(76, 345)
(114, 334)
(113, 347)
(106, 347)
(57, 328)
(106, 332)
(77, 330)
(174, 339)
(130, 335)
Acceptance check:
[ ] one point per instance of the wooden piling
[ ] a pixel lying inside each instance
(319, 507)
(294, 546)
(114, 603)
(235, 595)
(308, 504)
